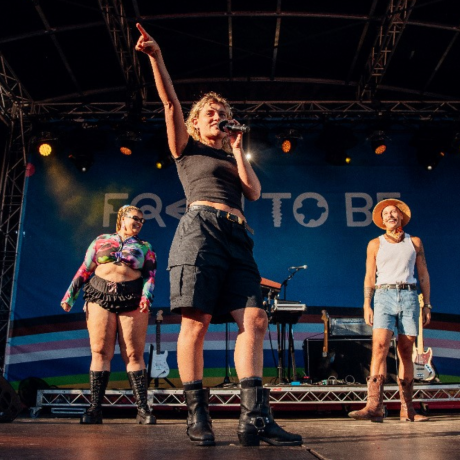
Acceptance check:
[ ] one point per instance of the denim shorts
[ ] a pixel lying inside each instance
(212, 267)
(397, 309)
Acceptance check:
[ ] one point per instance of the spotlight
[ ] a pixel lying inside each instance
(45, 149)
(45, 143)
(82, 161)
(128, 142)
(429, 157)
(378, 140)
(289, 140)
(164, 160)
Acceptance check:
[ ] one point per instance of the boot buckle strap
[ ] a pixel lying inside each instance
(260, 423)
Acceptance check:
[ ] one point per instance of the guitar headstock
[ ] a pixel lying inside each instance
(420, 300)
(159, 317)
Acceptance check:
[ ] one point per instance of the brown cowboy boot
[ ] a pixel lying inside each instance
(408, 413)
(374, 407)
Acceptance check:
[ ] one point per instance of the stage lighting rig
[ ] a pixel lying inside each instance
(378, 140)
(288, 140)
(128, 141)
(45, 143)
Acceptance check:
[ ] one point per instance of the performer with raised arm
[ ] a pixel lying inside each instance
(390, 264)
(212, 270)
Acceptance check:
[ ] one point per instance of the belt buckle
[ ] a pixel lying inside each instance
(233, 218)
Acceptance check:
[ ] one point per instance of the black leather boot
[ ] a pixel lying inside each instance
(199, 425)
(139, 384)
(257, 423)
(98, 382)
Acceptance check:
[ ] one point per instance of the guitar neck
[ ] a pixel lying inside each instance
(420, 347)
(158, 337)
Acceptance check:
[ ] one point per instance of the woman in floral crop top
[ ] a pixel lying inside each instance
(118, 278)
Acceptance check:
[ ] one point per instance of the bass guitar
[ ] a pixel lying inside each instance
(158, 366)
(423, 368)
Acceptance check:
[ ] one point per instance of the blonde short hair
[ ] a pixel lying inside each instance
(198, 106)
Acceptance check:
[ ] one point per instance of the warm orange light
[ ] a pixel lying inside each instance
(347, 160)
(380, 149)
(126, 151)
(159, 164)
(45, 149)
(286, 146)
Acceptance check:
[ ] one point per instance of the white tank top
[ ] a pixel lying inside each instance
(396, 262)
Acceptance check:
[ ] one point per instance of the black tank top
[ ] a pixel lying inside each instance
(209, 174)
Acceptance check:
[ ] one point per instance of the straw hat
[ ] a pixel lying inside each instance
(379, 207)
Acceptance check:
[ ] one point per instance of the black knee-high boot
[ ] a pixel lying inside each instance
(139, 384)
(199, 425)
(98, 382)
(257, 423)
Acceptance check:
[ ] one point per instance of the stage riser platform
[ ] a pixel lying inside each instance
(300, 397)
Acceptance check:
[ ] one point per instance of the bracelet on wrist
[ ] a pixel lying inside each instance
(427, 305)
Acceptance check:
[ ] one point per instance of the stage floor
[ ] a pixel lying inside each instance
(325, 438)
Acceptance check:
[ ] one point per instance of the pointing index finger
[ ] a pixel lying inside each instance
(142, 31)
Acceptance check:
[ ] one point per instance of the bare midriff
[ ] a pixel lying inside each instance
(221, 206)
(117, 272)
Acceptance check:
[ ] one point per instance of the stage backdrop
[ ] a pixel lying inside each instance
(310, 213)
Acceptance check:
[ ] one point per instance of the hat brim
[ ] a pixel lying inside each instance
(380, 206)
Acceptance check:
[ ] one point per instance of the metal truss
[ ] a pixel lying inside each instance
(12, 197)
(298, 397)
(390, 31)
(266, 110)
(13, 98)
(119, 29)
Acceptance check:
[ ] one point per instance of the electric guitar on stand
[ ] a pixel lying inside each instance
(327, 357)
(158, 365)
(423, 369)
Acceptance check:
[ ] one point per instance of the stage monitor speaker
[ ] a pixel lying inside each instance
(10, 404)
(348, 360)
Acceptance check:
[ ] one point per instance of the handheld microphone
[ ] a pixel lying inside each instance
(225, 126)
(302, 267)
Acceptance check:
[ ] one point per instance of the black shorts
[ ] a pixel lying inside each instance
(212, 267)
(114, 297)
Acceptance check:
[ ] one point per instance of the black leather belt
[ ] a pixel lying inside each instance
(403, 286)
(223, 214)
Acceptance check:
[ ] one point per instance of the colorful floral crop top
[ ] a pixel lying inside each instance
(133, 252)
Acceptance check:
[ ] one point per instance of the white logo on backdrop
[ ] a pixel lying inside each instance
(309, 209)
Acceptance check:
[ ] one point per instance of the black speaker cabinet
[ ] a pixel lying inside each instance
(10, 404)
(348, 360)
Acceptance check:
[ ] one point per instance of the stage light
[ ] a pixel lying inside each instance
(378, 140)
(249, 156)
(429, 157)
(45, 143)
(45, 149)
(289, 140)
(128, 140)
(82, 161)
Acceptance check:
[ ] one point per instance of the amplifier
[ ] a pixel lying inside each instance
(348, 359)
(349, 327)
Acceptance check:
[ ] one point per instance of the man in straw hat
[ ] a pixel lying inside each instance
(390, 263)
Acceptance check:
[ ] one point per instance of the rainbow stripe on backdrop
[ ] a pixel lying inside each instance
(56, 349)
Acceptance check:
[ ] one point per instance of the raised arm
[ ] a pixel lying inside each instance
(423, 278)
(175, 124)
(369, 280)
